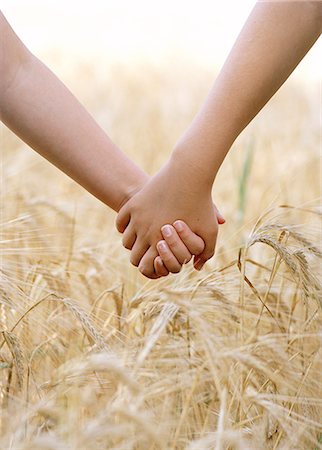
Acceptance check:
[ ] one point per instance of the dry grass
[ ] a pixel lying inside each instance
(93, 356)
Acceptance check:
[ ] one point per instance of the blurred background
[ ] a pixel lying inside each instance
(131, 32)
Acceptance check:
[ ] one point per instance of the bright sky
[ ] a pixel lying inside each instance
(125, 30)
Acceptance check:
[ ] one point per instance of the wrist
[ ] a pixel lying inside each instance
(185, 159)
(131, 189)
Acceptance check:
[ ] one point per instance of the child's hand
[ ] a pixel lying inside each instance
(177, 191)
(180, 244)
(177, 248)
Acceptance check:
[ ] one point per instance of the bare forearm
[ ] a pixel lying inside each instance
(273, 41)
(42, 111)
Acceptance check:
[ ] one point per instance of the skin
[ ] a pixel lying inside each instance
(274, 39)
(39, 109)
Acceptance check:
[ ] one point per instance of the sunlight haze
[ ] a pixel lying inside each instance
(125, 31)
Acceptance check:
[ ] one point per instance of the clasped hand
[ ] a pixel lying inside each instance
(172, 196)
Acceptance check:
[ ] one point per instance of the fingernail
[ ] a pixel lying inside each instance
(221, 218)
(162, 246)
(179, 225)
(166, 230)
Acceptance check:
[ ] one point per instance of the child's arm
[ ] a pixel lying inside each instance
(37, 107)
(43, 112)
(273, 41)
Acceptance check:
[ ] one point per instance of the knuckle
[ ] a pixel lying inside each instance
(146, 271)
(118, 225)
(134, 261)
(120, 218)
(126, 244)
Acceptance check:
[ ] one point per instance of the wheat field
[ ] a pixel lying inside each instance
(95, 356)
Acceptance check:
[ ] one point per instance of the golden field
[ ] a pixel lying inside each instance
(94, 356)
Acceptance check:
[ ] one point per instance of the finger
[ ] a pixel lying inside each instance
(129, 238)
(170, 261)
(200, 260)
(209, 250)
(220, 218)
(122, 220)
(160, 268)
(192, 241)
(139, 248)
(175, 244)
(146, 266)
